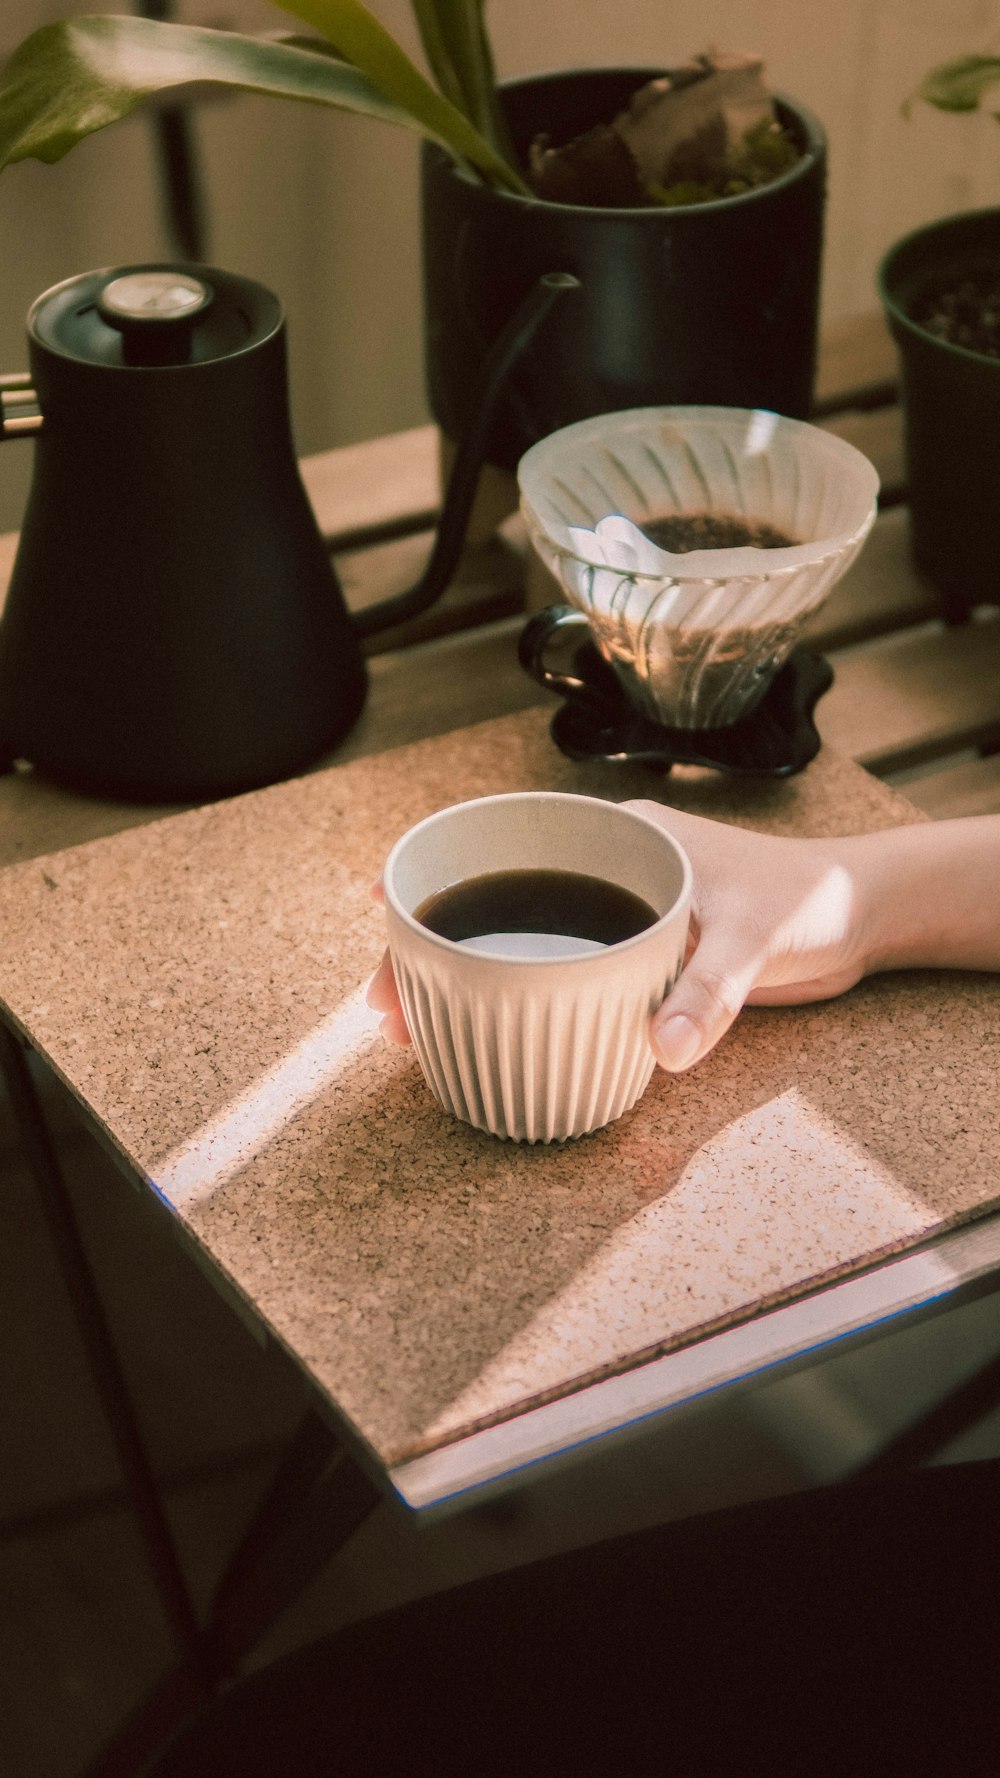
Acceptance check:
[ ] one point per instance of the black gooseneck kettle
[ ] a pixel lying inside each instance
(174, 629)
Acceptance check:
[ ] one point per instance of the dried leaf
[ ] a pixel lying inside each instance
(690, 124)
(696, 133)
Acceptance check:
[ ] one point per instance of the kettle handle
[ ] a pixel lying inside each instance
(20, 414)
(504, 353)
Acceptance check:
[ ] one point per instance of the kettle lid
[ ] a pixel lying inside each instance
(154, 315)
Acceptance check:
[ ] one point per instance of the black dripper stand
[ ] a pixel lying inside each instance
(597, 722)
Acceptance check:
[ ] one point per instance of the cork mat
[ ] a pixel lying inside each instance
(198, 983)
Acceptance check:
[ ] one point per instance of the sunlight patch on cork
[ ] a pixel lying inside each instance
(196, 1169)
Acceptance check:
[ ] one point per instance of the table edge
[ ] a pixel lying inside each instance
(446, 1477)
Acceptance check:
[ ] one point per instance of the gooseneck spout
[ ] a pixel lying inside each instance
(506, 350)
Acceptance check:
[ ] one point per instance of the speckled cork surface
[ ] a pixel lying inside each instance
(199, 984)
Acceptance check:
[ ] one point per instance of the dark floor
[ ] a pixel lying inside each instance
(80, 1623)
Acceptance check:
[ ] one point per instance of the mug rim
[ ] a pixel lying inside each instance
(496, 959)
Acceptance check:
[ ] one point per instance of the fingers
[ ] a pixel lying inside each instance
(717, 974)
(382, 997)
(709, 994)
(394, 1028)
(381, 994)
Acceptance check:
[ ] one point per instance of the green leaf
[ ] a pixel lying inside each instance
(361, 39)
(960, 85)
(457, 47)
(72, 78)
(439, 55)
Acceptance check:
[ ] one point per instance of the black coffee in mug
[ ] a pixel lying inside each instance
(554, 912)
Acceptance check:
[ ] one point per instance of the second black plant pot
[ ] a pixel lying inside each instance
(714, 303)
(951, 410)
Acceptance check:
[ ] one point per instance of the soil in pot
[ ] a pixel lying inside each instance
(697, 133)
(965, 314)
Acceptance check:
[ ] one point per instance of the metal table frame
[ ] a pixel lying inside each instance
(323, 1489)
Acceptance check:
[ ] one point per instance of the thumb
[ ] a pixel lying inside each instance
(700, 1009)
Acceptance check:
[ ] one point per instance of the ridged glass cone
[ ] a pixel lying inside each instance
(696, 637)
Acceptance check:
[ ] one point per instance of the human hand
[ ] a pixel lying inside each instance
(778, 921)
(774, 922)
(382, 995)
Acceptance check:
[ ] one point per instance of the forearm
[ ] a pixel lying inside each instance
(930, 894)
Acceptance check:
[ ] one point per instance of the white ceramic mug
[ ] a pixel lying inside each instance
(539, 1048)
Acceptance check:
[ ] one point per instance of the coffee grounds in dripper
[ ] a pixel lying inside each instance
(680, 532)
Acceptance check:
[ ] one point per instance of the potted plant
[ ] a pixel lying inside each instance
(688, 292)
(940, 286)
(711, 301)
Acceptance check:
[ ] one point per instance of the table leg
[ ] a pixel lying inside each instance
(102, 1357)
(317, 1497)
(970, 1402)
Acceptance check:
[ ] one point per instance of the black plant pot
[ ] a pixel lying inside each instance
(951, 408)
(716, 303)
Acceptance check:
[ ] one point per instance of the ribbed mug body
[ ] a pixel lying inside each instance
(538, 1049)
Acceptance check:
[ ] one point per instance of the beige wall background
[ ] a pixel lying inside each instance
(323, 208)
